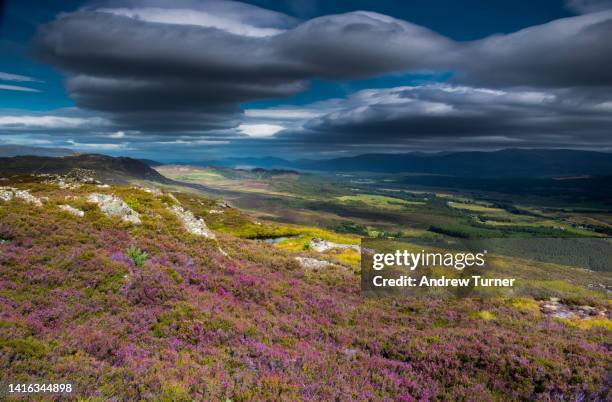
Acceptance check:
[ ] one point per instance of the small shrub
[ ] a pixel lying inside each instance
(137, 255)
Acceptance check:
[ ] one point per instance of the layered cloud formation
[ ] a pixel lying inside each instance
(429, 115)
(183, 69)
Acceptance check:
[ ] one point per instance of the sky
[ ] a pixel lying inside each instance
(189, 80)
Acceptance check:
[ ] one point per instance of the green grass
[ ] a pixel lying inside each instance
(590, 323)
(525, 304)
(484, 315)
(378, 201)
(196, 176)
(473, 207)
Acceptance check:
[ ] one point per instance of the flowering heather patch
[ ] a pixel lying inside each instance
(190, 323)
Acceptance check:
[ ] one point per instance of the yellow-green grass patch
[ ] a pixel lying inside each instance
(379, 201)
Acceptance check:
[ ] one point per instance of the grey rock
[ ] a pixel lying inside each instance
(193, 225)
(312, 263)
(10, 193)
(111, 205)
(72, 210)
(322, 246)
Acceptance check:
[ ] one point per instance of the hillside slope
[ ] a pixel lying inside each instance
(107, 169)
(216, 318)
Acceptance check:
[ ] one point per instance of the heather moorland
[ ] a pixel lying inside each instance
(150, 310)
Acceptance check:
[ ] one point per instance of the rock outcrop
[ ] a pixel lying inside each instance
(151, 190)
(193, 225)
(554, 308)
(312, 263)
(322, 246)
(111, 205)
(72, 210)
(9, 193)
(6, 194)
(72, 179)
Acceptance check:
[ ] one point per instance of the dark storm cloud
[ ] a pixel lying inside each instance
(588, 6)
(124, 61)
(563, 53)
(186, 68)
(462, 116)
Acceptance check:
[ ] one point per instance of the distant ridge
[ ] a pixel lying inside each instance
(107, 169)
(532, 163)
(9, 150)
(504, 163)
(266, 162)
(151, 162)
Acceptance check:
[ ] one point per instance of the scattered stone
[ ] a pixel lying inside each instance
(6, 194)
(602, 286)
(114, 206)
(9, 193)
(556, 309)
(322, 246)
(193, 225)
(72, 210)
(73, 179)
(80, 175)
(312, 263)
(102, 185)
(155, 191)
(224, 204)
(568, 315)
(587, 311)
(550, 308)
(67, 186)
(27, 197)
(215, 211)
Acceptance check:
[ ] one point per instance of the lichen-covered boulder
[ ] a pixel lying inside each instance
(72, 210)
(193, 225)
(111, 205)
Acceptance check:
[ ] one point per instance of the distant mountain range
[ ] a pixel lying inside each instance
(504, 163)
(21, 150)
(525, 163)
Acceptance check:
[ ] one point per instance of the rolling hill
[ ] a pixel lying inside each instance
(107, 169)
